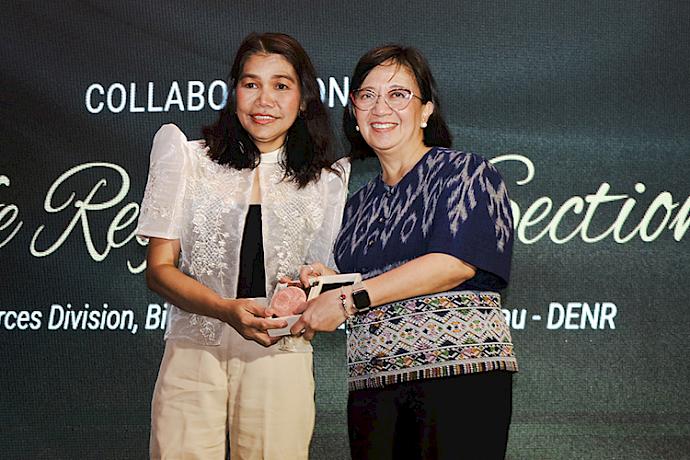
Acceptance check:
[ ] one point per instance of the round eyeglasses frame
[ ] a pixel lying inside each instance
(396, 98)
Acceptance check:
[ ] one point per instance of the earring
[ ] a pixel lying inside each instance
(423, 125)
(357, 128)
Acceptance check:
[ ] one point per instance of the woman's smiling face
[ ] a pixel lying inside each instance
(387, 130)
(268, 97)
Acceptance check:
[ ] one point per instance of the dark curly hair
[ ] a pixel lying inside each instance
(309, 140)
(435, 134)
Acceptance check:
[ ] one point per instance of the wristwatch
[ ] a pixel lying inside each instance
(360, 297)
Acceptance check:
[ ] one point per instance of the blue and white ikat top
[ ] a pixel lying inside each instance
(451, 202)
(454, 203)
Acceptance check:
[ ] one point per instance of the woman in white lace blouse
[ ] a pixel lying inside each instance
(226, 217)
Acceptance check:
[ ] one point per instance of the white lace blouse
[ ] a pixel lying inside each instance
(190, 197)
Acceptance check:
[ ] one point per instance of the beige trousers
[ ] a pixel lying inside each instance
(261, 399)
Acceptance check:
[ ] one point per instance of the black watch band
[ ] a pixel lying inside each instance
(360, 297)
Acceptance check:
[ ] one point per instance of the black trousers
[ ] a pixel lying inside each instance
(461, 417)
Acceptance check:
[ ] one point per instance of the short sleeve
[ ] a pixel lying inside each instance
(473, 219)
(161, 208)
(335, 190)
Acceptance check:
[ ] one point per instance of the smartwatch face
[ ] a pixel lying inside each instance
(361, 299)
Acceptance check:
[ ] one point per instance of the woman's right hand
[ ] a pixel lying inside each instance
(251, 320)
(324, 313)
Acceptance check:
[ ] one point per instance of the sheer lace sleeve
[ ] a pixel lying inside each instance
(334, 197)
(161, 208)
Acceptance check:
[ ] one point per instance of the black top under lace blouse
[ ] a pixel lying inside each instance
(251, 281)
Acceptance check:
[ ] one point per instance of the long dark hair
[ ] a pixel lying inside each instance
(309, 140)
(435, 134)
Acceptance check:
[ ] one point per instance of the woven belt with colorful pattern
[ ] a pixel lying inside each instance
(449, 333)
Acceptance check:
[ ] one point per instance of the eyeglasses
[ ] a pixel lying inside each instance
(397, 98)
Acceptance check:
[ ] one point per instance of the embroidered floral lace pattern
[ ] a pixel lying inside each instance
(211, 193)
(191, 325)
(298, 216)
(445, 334)
(150, 205)
(204, 205)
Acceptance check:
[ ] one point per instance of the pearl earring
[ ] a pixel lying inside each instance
(423, 125)
(357, 128)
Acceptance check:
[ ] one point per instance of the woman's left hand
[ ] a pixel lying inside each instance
(306, 274)
(324, 313)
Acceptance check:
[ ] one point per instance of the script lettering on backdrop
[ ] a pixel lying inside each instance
(539, 213)
(540, 219)
(9, 225)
